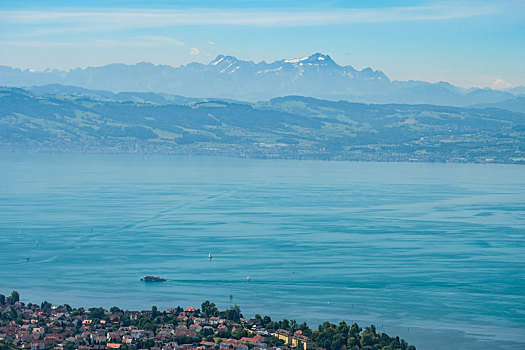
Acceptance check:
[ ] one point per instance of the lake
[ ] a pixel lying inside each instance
(434, 253)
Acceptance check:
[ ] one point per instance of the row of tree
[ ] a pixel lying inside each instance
(13, 298)
(335, 337)
(328, 335)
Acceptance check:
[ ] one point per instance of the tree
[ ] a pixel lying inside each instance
(45, 305)
(355, 330)
(97, 312)
(206, 331)
(114, 310)
(354, 341)
(240, 333)
(125, 321)
(209, 309)
(69, 346)
(338, 341)
(232, 314)
(153, 312)
(15, 297)
(20, 319)
(293, 326)
(303, 327)
(369, 336)
(2, 299)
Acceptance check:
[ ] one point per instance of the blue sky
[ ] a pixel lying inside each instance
(468, 43)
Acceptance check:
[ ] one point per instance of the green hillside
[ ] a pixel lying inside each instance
(287, 127)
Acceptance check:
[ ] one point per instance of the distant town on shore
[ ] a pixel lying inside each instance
(45, 326)
(68, 119)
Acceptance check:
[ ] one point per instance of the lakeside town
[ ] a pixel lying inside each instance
(45, 326)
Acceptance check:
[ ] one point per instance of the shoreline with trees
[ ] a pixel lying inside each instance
(46, 326)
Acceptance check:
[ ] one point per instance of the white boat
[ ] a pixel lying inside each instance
(248, 279)
(209, 256)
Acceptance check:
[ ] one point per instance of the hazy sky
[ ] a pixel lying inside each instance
(468, 43)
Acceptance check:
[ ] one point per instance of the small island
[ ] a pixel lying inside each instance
(45, 326)
(149, 278)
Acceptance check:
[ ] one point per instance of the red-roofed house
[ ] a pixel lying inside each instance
(208, 344)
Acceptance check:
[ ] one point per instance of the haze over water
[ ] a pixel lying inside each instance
(423, 251)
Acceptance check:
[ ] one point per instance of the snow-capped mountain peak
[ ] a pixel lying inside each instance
(319, 67)
(313, 75)
(221, 59)
(316, 58)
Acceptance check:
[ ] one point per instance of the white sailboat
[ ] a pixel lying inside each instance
(209, 256)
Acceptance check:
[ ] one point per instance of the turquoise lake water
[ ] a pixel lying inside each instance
(434, 253)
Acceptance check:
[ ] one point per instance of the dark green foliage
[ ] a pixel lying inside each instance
(240, 333)
(20, 319)
(69, 346)
(147, 344)
(125, 321)
(208, 309)
(114, 310)
(224, 334)
(153, 312)
(267, 323)
(336, 337)
(274, 342)
(45, 305)
(97, 312)
(206, 332)
(232, 314)
(13, 298)
(5, 346)
(303, 327)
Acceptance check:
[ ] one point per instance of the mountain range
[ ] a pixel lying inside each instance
(227, 77)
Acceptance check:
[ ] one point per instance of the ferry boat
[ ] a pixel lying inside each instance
(149, 278)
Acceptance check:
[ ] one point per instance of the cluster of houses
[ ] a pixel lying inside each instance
(295, 339)
(36, 328)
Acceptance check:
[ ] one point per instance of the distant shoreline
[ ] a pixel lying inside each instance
(229, 156)
(291, 127)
